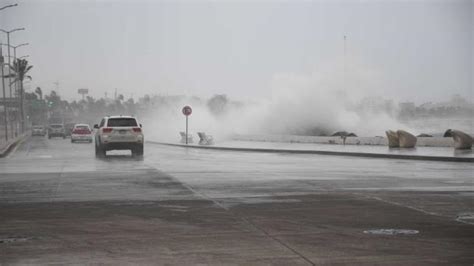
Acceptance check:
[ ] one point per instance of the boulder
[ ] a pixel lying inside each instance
(392, 137)
(448, 133)
(406, 139)
(461, 139)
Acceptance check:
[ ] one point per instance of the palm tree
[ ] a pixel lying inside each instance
(20, 68)
(39, 91)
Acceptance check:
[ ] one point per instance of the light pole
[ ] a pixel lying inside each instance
(8, 6)
(14, 58)
(20, 57)
(20, 92)
(5, 109)
(14, 47)
(9, 63)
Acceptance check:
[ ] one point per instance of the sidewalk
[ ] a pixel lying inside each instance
(372, 151)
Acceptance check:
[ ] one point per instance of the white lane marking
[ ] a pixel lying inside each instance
(412, 207)
(44, 156)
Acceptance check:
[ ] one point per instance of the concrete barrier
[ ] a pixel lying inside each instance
(10, 145)
(324, 152)
(378, 140)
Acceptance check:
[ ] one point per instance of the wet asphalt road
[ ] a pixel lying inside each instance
(61, 205)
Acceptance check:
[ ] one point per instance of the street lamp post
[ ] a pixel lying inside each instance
(14, 55)
(19, 45)
(9, 62)
(20, 92)
(20, 57)
(5, 109)
(8, 6)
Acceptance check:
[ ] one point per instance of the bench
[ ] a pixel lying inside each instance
(205, 139)
(183, 137)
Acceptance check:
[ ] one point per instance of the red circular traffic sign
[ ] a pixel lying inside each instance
(187, 110)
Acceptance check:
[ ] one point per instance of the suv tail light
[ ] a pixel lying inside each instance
(107, 130)
(137, 129)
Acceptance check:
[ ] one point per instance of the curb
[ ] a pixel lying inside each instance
(10, 146)
(336, 153)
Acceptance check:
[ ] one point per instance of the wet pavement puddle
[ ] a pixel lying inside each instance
(467, 217)
(391, 232)
(8, 240)
(44, 156)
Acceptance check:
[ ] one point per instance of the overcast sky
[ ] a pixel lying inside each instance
(421, 50)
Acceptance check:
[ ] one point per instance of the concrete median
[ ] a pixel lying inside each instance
(307, 150)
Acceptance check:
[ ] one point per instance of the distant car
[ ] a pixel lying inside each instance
(38, 131)
(119, 133)
(56, 130)
(81, 132)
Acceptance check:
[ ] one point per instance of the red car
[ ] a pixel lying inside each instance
(81, 132)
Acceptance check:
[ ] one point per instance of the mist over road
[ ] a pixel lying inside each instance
(59, 204)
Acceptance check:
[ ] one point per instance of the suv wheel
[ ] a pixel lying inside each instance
(138, 150)
(99, 151)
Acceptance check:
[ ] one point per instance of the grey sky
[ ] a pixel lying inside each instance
(420, 49)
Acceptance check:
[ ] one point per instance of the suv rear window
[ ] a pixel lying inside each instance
(122, 122)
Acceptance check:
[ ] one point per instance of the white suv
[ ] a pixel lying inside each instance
(119, 133)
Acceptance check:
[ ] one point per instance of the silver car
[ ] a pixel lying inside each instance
(56, 130)
(38, 131)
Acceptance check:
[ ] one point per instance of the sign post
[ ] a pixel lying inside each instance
(187, 111)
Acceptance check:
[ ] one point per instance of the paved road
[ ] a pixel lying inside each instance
(61, 205)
